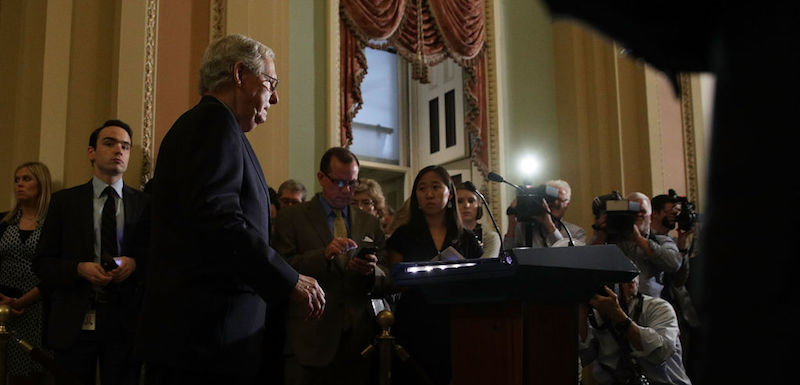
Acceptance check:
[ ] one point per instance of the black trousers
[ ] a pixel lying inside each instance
(108, 348)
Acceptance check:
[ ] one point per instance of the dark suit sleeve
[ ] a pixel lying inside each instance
(209, 180)
(136, 243)
(50, 264)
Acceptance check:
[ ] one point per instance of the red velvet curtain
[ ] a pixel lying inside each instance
(424, 32)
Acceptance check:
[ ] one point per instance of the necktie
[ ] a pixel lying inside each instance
(340, 231)
(108, 226)
(339, 227)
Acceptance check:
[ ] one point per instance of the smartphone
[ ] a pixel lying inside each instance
(363, 251)
(108, 263)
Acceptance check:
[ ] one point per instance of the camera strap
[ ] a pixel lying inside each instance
(630, 369)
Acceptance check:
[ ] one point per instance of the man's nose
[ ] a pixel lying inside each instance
(273, 99)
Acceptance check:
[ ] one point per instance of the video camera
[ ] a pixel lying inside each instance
(688, 216)
(529, 202)
(620, 214)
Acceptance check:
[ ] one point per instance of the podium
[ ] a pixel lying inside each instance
(514, 321)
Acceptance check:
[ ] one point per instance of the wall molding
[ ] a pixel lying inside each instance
(492, 123)
(149, 110)
(689, 138)
(217, 16)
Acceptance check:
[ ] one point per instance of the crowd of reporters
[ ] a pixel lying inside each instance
(442, 215)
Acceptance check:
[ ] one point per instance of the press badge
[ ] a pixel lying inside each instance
(89, 321)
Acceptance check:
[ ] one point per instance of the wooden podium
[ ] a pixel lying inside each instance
(514, 321)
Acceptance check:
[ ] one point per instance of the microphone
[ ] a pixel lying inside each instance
(495, 177)
(569, 233)
(471, 187)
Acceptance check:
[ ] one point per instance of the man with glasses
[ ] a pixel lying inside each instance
(290, 193)
(547, 230)
(653, 254)
(322, 238)
(213, 275)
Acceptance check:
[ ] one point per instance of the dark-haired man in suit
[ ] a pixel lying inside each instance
(320, 238)
(90, 247)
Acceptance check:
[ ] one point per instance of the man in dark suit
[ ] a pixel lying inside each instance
(90, 248)
(213, 272)
(321, 238)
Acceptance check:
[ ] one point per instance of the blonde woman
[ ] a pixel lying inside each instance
(19, 236)
(368, 196)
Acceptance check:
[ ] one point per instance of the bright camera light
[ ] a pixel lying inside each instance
(530, 165)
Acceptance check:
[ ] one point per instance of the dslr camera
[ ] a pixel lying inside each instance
(688, 216)
(620, 214)
(529, 202)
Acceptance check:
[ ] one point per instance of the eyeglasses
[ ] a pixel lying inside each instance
(273, 82)
(363, 203)
(341, 182)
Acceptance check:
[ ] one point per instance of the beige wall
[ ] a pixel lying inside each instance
(22, 38)
(91, 84)
(619, 121)
(183, 34)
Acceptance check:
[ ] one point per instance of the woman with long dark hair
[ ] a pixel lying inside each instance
(19, 236)
(434, 231)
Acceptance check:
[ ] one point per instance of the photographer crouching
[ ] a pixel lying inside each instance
(626, 223)
(631, 338)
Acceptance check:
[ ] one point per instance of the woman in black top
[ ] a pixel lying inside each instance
(434, 226)
(19, 236)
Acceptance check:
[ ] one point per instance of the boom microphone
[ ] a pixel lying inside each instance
(495, 177)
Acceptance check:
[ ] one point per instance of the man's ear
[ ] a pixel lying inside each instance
(90, 152)
(238, 69)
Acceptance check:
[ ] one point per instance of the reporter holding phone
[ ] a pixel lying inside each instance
(330, 240)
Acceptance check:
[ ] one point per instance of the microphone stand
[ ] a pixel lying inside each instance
(569, 233)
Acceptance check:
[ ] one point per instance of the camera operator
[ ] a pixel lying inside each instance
(548, 228)
(628, 335)
(652, 253)
(667, 210)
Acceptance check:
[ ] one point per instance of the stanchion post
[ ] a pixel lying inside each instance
(385, 343)
(5, 315)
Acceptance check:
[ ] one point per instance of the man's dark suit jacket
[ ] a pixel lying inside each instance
(301, 235)
(212, 269)
(68, 238)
